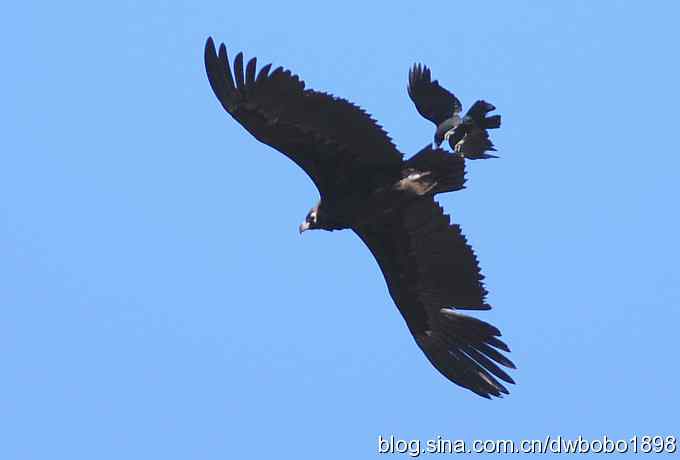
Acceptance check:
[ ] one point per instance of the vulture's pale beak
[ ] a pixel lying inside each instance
(303, 226)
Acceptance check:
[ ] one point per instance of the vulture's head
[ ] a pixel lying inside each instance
(319, 217)
(311, 221)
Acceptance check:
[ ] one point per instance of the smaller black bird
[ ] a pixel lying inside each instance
(467, 136)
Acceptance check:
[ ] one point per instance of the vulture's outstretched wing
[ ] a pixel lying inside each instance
(430, 268)
(337, 144)
(432, 101)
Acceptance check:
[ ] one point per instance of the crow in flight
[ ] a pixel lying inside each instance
(467, 136)
(366, 186)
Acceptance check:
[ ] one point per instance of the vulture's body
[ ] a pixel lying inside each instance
(367, 186)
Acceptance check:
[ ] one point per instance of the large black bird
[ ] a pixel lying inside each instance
(467, 136)
(366, 186)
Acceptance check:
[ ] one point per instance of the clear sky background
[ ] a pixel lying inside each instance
(156, 300)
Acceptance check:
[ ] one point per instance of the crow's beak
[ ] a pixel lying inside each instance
(303, 226)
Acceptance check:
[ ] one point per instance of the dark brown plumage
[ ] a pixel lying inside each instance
(468, 135)
(367, 186)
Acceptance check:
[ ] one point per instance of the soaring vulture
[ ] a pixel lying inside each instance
(467, 136)
(367, 186)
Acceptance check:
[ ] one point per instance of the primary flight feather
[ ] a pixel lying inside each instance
(366, 186)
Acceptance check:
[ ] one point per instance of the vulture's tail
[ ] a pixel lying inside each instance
(442, 170)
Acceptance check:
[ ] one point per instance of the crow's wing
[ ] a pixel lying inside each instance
(431, 272)
(432, 101)
(337, 144)
(472, 142)
(471, 138)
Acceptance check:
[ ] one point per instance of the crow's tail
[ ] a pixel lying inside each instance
(471, 138)
(478, 113)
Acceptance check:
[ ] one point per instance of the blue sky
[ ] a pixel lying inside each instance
(158, 302)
